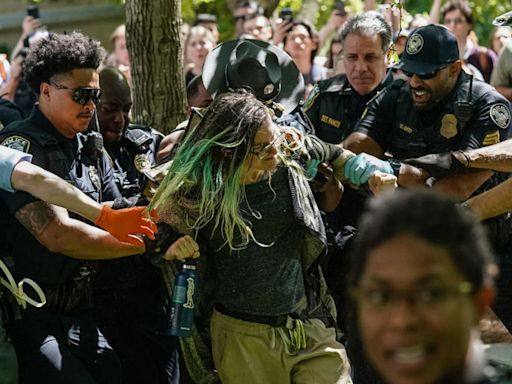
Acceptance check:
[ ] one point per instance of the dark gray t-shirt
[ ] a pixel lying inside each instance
(257, 279)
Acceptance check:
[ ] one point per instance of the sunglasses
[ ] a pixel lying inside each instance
(81, 95)
(425, 76)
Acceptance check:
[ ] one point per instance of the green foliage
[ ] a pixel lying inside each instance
(484, 12)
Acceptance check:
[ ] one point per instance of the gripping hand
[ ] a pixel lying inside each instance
(361, 167)
(125, 223)
(439, 165)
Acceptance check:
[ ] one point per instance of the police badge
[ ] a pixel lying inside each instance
(141, 162)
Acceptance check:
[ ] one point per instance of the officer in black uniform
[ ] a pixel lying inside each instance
(60, 343)
(439, 109)
(335, 105)
(130, 296)
(132, 147)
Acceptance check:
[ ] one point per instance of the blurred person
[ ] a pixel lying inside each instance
(301, 43)
(242, 9)
(335, 21)
(500, 36)
(5, 68)
(28, 26)
(119, 56)
(257, 27)
(334, 62)
(458, 18)
(198, 43)
(421, 279)
(418, 20)
(502, 74)
(209, 21)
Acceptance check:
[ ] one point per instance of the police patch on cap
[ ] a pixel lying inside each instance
(17, 142)
(414, 44)
(500, 114)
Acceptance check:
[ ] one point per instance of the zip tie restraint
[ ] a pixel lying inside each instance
(17, 289)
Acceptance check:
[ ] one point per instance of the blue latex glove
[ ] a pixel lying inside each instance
(361, 167)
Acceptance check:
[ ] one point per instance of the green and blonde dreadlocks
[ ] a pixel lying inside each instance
(203, 184)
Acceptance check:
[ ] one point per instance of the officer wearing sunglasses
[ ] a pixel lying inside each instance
(439, 108)
(60, 341)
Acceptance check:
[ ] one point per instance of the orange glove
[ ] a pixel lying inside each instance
(125, 223)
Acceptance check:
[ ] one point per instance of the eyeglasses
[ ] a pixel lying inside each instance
(380, 300)
(265, 150)
(425, 76)
(81, 95)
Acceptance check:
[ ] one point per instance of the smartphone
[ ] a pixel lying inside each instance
(340, 8)
(286, 14)
(33, 10)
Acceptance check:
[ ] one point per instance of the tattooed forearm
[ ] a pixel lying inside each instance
(35, 217)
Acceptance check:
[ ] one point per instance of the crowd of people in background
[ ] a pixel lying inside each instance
(291, 130)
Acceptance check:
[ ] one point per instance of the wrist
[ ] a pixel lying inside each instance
(395, 166)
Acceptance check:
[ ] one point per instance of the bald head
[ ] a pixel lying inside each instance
(115, 104)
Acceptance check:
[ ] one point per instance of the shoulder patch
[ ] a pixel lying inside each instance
(311, 97)
(500, 114)
(16, 142)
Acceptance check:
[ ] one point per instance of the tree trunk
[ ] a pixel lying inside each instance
(156, 62)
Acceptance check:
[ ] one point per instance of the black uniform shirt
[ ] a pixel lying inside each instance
(136, 151)
(67, 159)
(405, 132)
(334, 107)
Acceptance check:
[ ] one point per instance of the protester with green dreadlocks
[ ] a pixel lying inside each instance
(238, 185)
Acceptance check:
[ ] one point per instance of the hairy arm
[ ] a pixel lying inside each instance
(55, 230)
(497, 157)
(462, 185)
(492, 202)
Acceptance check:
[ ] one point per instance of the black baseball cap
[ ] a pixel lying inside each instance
(263, 68)
(428, 49)
(503, 20)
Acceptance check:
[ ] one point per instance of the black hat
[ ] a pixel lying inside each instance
(428, 49)
(256, 65)
(503, 20)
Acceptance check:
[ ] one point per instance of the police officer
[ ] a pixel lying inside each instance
(440, 108)
(60, 343)
(131, 299)
(132, 148)
(335, 105)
